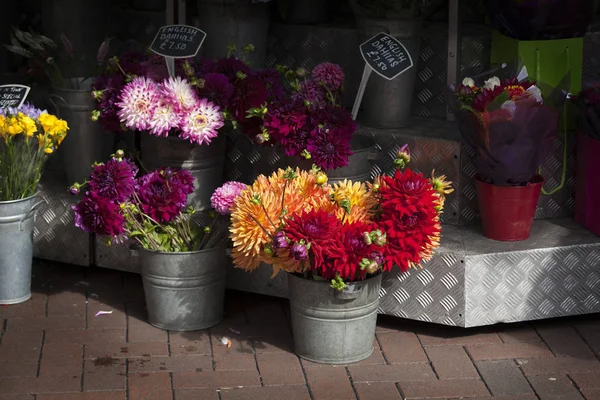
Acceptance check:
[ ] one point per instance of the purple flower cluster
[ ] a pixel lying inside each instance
(163, 193)
(27, 109)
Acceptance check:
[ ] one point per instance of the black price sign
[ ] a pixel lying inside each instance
(178, 41)
(13, 95)
(386, 55)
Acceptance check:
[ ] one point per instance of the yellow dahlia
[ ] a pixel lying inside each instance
(359, 200)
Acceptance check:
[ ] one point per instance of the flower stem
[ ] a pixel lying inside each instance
(261, 227)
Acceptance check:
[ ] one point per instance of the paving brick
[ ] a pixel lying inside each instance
(564, 341)
(18, 397)
(127, 350)
(41, 323)
(519, 334)
(118, 318)
(36, 306)
(377, 391)
(267, 393)
(141, 331)
(112, 395)
(554, 387)
(280, 369)
(197, 394)
(266, 312)
(591, 394)
(49, 384)
(66, 303)
(273, 345)
(503, 377)
(104, 374)
(443, 389)
(558, 365)
(188, 343)
(451, 362)
(172, 364)
(402, 347)
(510, 397)
(508, 350)
(458, 339)
(15, 369)
(215, 379)
(150, 385)
(61, 359)
(586, 380)
(590, 331)
(85, 336)
(320, 381)
(21, 346)
(234, 361)
(391, 373)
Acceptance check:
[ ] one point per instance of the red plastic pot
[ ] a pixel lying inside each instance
(507, 211)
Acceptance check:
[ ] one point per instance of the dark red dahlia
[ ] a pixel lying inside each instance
(329, 148)
(163, 193)
(408, 217)
(114, 180)
(331, 116)
(217, 89)
(99, 215)
(315, 228)
(312, 92)
(284, 118)
(230, 67)
(272, 79)
(295, 142)
(250, 92)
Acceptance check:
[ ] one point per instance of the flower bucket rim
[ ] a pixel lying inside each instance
(20, 200)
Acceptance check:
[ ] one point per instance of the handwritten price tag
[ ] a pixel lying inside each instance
(178, 41)
(13, 95)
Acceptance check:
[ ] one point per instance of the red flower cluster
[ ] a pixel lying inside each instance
(513, 87)
(335, 248)
(409, 216)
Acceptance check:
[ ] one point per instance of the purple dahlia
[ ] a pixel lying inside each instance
(96, 214)
(114, 180)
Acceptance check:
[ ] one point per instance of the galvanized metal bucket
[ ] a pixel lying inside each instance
(237, 22)
(17, 219)
(330, 326)
(205, 163)
(87, 141)
(387, 104)
(184, 291)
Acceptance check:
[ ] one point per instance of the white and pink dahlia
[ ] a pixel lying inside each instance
(164, 118)
(137, 103)
(178, 91)
(201, 124)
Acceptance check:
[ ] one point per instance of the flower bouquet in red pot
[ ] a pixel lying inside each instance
(510, 125)
(587, 195)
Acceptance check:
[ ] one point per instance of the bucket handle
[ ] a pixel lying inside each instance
(134, 250)
(54, 104)
(351, 292)
(33, 210)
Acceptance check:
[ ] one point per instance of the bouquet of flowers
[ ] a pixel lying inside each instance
(298, 223)
(309, 123)
(171, 105)
(150, 209)
(27, 137)
(510, 125)
(587, 103)
(541, 19)
(112, 77)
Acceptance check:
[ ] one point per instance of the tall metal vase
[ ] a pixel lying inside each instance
(87, 141)
(237, 22)
(387, 104)
(205, 163)
(17, 218)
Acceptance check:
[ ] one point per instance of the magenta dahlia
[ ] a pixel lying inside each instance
(217, 89)
(329, 149)
(329, 74)
(160, 197)
(114, 180)
(99, 215)
(311, 92)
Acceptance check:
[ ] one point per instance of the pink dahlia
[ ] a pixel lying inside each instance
(224, 197)
(330, 75)
(201, 124)
(179, 92)
(164, 118)
(137, 103)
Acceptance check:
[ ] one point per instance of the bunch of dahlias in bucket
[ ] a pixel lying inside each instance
(27, 137)
(298, 223)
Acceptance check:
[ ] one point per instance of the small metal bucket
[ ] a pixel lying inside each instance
(87, 141)
(205, 163)
(17, 219)
(184, 291)
(330, 326)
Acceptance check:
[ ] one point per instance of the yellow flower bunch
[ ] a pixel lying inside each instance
(55, 131)
(17, 124)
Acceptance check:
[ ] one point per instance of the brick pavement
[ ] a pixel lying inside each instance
(54, 348)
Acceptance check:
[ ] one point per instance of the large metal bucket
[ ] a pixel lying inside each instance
(87, 141)
(387, 104)
(238, 22)
(205, 163)
(17, 218)
(184, 291)
(333, 327)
